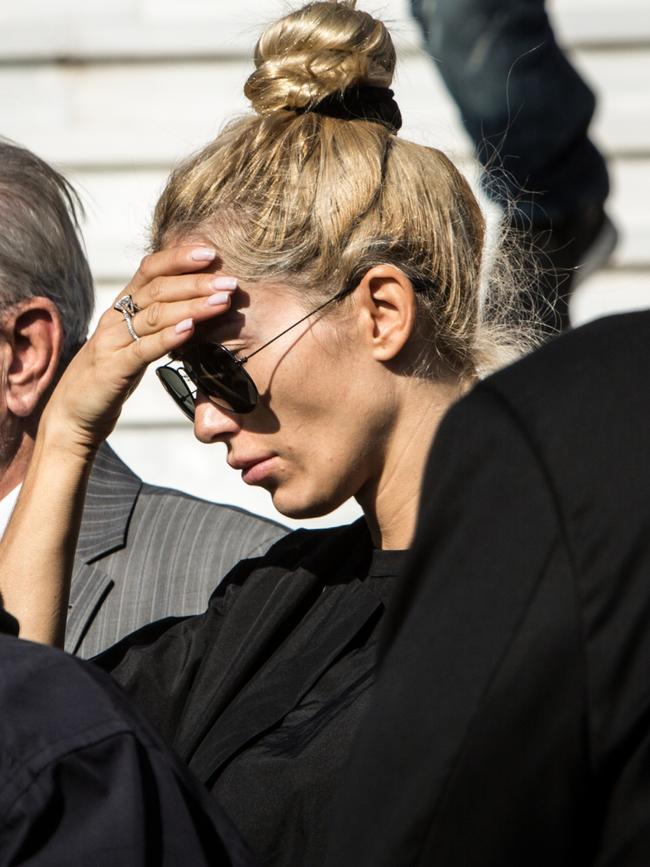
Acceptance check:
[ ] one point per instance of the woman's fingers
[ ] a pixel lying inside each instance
(167, 290)
(171, 261)
(160, 314)
(155, 346)
(178, 288)
(164, 297)
(164, 289)
(164, 294)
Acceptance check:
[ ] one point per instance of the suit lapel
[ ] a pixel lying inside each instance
(112, 493)
(91, 587)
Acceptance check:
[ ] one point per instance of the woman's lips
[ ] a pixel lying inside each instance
(257, 473)
(254, 472)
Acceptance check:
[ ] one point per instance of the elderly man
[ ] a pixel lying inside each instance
(143, 552)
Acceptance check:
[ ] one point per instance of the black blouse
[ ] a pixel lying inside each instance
(261, 695)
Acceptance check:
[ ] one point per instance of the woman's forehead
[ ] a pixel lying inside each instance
(254, 308)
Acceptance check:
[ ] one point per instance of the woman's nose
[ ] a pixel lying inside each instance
(212, 424)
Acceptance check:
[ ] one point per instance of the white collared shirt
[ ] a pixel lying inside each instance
(7, 506)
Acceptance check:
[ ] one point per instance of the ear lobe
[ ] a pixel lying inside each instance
(392, 307)
(36, 340)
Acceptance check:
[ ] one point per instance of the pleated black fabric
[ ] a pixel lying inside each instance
(262, 694)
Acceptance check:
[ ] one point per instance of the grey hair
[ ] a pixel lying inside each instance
(41, 251)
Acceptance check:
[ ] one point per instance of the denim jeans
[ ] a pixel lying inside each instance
(524, 106)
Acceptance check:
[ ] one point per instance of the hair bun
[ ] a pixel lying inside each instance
(319, 50)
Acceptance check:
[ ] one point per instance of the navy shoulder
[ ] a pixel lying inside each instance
(52, 704)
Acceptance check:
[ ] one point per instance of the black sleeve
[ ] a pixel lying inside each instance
(478, 702)
(114, 802)
(84, 780)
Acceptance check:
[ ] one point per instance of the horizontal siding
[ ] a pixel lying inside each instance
(153, 114)
(116, 91)
(97, 30)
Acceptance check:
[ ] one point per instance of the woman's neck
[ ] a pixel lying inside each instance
(390, 502)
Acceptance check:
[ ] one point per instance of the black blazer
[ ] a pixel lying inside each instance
(511, 721)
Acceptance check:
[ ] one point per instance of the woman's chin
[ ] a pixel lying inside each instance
(300, 507)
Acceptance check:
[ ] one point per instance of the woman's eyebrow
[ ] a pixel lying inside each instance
(229, 326)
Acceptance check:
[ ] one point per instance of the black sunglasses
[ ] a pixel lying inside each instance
(218, 373)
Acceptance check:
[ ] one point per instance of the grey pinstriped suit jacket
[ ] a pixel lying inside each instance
(145, 553)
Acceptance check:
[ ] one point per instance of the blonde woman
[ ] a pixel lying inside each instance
(315, 279)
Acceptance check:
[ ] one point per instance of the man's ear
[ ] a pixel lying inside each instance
(388, 309)
(35, 337)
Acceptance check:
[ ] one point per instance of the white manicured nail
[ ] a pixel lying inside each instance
(204, 254)
(185, 325)
(224, 283)
(218, 298)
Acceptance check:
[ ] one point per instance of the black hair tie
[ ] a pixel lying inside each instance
(360, 102)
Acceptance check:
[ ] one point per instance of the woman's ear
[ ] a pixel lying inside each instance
(34, 333)
(388, 310)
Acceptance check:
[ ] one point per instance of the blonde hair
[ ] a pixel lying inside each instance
(292, 192)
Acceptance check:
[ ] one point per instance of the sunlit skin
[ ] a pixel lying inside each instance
(31, 339)
(335, 419)
(339, 415)
(322, 436)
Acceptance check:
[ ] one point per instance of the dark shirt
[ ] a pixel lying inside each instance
(262, 694)
(85, 781)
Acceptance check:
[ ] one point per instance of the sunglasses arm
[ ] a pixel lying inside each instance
(337, 297)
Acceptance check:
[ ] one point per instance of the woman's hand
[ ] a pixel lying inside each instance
(37, 549)
(170, 297)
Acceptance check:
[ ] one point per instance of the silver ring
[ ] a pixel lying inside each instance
(128, 308)
(126, 304)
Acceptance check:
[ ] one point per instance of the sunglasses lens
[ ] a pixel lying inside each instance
(175, 385)
(221, 377)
